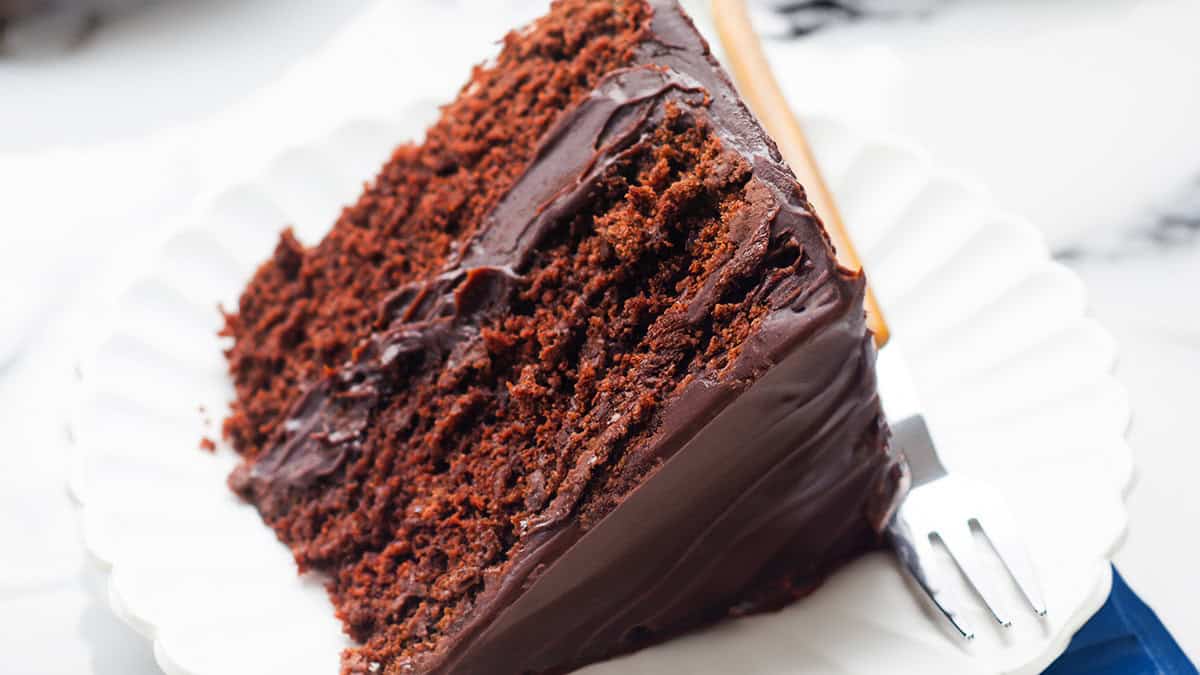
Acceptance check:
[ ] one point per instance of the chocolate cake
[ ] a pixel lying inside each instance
(576, 373)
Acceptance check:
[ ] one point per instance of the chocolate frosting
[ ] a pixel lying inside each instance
(790, 471)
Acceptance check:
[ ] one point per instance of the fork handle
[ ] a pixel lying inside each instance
(758, 86)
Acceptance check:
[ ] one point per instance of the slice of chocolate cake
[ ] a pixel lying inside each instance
(575, 374)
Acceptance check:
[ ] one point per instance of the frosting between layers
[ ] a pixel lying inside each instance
(329, 421)
(427, 319)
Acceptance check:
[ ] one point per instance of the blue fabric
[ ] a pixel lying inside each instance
(1124, 638)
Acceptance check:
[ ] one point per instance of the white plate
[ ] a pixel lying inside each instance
(1016, 378)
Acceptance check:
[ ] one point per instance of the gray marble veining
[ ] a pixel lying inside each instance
(786, 19)
(1170, 225)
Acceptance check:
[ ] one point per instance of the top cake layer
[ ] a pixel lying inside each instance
(628, 392)
(306, 309)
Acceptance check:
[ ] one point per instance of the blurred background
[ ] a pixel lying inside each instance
(116, 115)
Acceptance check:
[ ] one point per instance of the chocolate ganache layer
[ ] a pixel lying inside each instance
(753, 480)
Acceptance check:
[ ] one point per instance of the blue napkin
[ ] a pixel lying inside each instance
(1124, 638)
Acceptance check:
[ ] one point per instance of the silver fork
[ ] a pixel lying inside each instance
(946, 507)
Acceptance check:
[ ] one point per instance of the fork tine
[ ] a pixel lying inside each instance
(916, 554)
(999, 532)
(961, 544)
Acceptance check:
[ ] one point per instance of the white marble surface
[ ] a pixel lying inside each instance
(1077, 113)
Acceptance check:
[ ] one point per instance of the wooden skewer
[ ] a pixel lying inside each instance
(758, 87)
